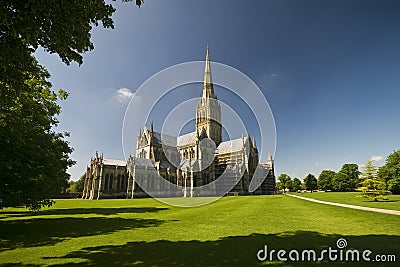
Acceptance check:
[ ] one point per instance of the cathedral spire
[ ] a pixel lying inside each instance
(208, 88)
(208, 113)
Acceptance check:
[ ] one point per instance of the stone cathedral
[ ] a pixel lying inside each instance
(186, 163)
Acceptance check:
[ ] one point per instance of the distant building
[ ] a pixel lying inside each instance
(188, 161)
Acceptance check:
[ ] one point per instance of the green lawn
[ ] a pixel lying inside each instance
(146, 232)
(353, 198)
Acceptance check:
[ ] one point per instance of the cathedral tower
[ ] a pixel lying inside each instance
(208, 114)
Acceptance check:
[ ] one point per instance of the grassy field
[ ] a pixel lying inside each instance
(353, 198)
(145, 232)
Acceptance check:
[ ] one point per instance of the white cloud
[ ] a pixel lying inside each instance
(273, 75)
(376, 158)
(124, 94)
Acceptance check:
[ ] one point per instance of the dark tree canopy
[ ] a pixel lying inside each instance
(285, 181)
(310, 182)
(352, 172)
(390, 172)
(351, 169)
(33, 157)
(341, 182)
(61, 27)
(325, 180)
(296, 184)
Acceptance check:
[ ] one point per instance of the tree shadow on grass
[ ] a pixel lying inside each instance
(230, 251)
(32, 232)
(77, 211)
(380, 201)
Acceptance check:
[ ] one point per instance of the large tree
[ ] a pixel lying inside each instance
(390, 172)
(310, 182)
(61, 27)
(285, 181)
(33, 157)
(341, 182)
(296, 184)
(325, 180)
(352, 173)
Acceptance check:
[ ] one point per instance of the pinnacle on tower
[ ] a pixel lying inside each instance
(208, 88)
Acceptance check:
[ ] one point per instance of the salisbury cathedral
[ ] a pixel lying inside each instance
(196, 164)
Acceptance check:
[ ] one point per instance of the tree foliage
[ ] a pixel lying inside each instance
(369, 171)
(33, 157)
(347, 179)
(61, 27)
(310, 182)
(285, 181)
(373, 188)
(341, 182)
(390, 172)
(325, 180)
(76, 186)
(296, 184)
(279, 186)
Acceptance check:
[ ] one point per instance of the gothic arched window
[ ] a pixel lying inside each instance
(105, 185)
(118, 182)
(123, 182)
(110, 184)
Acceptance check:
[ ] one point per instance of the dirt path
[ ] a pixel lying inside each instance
(393, 212)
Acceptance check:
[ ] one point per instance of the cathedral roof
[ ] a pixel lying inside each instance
(165, 139)
(186, 139)
(142, 162)
(267, 164)
(114, 162)
(165, 164)
(185, 164)
(231, 145)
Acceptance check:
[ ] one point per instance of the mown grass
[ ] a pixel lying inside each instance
(145, 232)
(354, 198)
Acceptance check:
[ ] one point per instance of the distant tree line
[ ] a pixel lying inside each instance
(76, 186)
(371, 181)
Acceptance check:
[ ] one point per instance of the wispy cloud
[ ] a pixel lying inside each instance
(267, 76)
(376, 158)
(124, 94)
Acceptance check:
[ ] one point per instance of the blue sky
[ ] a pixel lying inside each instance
(330, 71)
